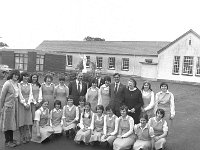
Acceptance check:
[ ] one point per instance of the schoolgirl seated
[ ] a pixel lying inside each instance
(70, 118)
(83, 135)
(144, 134)
(42, 129)
(160, 128)
(125, 137)
(110, 127)
(56, 121)
(97, 125)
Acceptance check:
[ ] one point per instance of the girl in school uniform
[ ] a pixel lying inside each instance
(81, 106)
(144, 134)
(85, 125)
(160, 128)
(70, 118)
(42, 129)
(148, 99)
(8, 107)
(36, 91)
(61, 91)
(47, 90)
(25, 113)
(97, 125)
(125, 137)
(110, 127)
(56, 121)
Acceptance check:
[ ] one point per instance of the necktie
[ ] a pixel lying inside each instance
(116, 87)
(79, 87)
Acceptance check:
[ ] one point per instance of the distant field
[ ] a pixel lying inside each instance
(184, 135)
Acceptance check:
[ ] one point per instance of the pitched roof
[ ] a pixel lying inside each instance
(104, 47)
(190, 31)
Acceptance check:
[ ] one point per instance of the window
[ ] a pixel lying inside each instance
(88, 61)
(125, 63)
(21, 61)
(187, 65)
(176, 65)
(99, 62)
(111, 62)
(69, 60)
(39, 62)
(198, 66)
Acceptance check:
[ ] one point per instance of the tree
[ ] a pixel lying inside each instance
(88, 38)
(2, 45)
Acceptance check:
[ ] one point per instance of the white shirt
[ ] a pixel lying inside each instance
(70, 108)
(77, 84)
(105, 124)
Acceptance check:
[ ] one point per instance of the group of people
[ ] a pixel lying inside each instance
(105, 112)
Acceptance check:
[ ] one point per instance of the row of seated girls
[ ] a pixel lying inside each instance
(102, 127)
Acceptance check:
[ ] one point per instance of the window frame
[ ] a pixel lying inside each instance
(124, 61)
(88, 62)
(111, 63)
(22, 63)
(97, 62)
(176, 63)
(69, 59)
(40, 58)
(190, 65)
(198, 67)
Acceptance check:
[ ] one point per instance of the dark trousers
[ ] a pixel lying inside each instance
(8, 136)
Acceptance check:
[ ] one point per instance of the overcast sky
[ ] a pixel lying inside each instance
(26, 23)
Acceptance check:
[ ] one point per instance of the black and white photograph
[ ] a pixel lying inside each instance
(99, 75)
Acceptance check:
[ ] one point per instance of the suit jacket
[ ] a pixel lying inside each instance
(118, 97)
(102, 81)
(73, 91)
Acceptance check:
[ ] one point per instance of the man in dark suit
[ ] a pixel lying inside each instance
(77, 88)
(99, 79)
(117, 94)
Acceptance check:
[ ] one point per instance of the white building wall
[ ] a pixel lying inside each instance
(180, 48)
(149, 71)
(134, 63)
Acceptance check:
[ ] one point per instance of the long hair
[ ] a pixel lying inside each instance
(146, 82)
(31, 80)
(83, 116)
(23, 74)
(13, 72)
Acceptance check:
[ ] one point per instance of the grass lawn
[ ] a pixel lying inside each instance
(185, 132)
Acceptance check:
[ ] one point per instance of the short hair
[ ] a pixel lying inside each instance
(13, 72)
(144, 115)
(48, 76)
(23, 74)
(107, 78)
(124, 107)
(133, 80)
(109, 108)
(61, 78)
(82, 99)
(100, 107)
(88, 103)
(163, 83)
(161, 111)
(43, 101)
(146, 82)
(94, 81)
(31, 80)
(70, 97)
(116, 74)
(57, 102)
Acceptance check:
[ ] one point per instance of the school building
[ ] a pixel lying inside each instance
(178, 60)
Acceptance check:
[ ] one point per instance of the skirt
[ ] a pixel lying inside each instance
(96, 136)
(160, 143)
(8, 119)
(57, 129)
(140, 144)
(123, 143)
(110, 139)
(71, 126)
(45, 132)
(83, 136)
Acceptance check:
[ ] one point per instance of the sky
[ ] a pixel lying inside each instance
(26, 23)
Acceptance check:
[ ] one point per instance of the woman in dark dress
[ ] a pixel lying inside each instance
(133, 99)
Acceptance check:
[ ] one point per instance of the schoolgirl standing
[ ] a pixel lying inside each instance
(25, 113)
(85, 125)
(8, 107)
